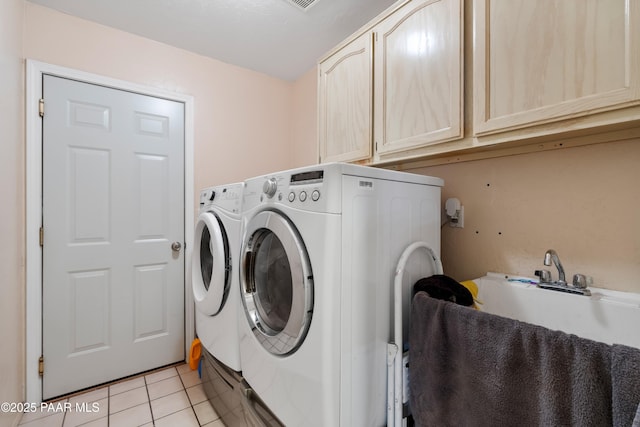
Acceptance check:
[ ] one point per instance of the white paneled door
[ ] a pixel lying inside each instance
(113, 233)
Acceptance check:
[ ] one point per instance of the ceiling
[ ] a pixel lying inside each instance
(274, 37)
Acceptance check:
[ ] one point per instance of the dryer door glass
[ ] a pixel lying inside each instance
(206, 258)
(277, 283)
(272, 281)
(211, 264)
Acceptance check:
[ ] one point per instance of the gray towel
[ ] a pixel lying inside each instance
(625, 379)
(469, 368)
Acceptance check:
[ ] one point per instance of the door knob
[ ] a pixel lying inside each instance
(176, 246)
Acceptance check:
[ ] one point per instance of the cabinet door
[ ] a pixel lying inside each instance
(345, 103)
(541, 61)
(419, 76)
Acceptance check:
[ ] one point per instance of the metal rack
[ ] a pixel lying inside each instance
(395, 353)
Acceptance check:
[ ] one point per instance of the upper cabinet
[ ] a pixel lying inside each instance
(537, 62)
(345, 100)
(535, 72)
(396, 86)
(418, 76)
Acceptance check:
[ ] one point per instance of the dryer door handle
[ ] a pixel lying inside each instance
(249, 284)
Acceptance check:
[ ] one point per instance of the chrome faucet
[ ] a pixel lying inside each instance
(552, 255)
(579, 280)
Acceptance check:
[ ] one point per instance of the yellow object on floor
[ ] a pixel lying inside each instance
(194, 354)
(473, 288)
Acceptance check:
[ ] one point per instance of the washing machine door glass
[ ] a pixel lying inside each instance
(211, 264)
(277, 283)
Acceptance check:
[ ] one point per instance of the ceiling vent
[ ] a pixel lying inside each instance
(302, 4)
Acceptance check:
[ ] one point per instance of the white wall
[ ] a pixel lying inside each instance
(242, 118)
(12, 207)
(582, 201)
(304, 119)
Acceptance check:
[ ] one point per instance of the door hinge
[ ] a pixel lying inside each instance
(41, 366)
(41, 237)
(41, 107)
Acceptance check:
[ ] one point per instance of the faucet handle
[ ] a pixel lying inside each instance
(580, 281)
(544, 275)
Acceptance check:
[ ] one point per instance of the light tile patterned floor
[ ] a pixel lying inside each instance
(169, 397)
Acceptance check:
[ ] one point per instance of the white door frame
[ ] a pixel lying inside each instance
(35, 70)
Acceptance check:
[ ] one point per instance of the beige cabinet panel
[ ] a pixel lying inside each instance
(418, 76)
(537, 62)
(345, 102)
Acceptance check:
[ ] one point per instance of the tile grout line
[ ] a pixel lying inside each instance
(64, 414)
(190, 402)
(146, 388)
(183, 389)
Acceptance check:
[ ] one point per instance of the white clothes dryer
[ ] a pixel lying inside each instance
(319, 250)
(215, 272)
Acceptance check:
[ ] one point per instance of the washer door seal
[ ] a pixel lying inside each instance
(277, 282)
(211, 264)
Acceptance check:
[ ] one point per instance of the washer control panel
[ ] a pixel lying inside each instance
(303, 195)
(303, 190)
(228, 198)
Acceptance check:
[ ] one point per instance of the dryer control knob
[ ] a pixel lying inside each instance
(270, 187)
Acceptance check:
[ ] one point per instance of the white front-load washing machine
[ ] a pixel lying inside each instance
(215, 266)
(215, 272)
(319, 251)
